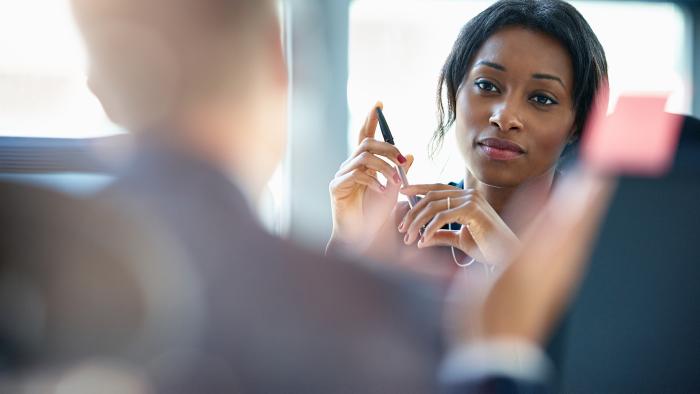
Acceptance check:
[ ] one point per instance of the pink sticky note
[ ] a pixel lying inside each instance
(639, 138)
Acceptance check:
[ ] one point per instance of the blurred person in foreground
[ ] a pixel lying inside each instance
(202, 86)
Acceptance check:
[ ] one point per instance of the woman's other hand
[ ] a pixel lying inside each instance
(360, 203)
(529, 298)
(483, 235)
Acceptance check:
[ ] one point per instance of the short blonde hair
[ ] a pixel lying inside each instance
(149, 58)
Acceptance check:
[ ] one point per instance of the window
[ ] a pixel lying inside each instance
(43, 93)
(42, 74)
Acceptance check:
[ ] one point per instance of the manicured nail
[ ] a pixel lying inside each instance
(401, 159)
(397, 179)
(405, 239)
(400, 226)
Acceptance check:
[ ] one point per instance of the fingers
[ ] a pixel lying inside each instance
(369, 128)
(371, 156)
(438, 210)
(380, 148)
(409, 162)
(367, 142)
(354, 178)
(441, 238)
(459, 239)
(424, 189)
(452, 215)
(400, 210)
(430, 197)
(368, 161)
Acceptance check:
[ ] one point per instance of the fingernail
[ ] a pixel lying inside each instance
(405, 239)
(382, 188)
(401, 159)
(396, 178)
(400, 226)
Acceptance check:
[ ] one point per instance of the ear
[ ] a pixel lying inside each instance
(101, 94)
(276, 53)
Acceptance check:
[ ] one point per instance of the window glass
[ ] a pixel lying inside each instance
(43, 89)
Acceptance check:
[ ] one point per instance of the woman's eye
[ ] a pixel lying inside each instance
(486, 86)
(543, 100)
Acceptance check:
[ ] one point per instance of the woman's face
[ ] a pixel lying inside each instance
(514, 111)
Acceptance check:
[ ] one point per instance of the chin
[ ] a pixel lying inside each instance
(497, 177)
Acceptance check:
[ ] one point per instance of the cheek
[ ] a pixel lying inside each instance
(552, 138)
(469, 116)
(461, 113)
(552, 141)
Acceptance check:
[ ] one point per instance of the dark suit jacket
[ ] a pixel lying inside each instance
(77, 282)
(279, 318)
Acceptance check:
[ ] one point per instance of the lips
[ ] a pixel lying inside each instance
(500, 149)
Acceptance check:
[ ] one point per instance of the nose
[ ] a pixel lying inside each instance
(506, 116)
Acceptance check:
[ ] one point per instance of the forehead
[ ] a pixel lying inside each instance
(524, 51)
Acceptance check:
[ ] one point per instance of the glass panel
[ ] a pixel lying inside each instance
(42, 74)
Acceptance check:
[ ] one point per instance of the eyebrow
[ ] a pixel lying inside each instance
(501, 67)
(550, 77)
(497, 66)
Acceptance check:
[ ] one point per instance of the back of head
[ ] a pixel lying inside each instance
(151, 58)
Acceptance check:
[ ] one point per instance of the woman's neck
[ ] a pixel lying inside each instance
(516, 205)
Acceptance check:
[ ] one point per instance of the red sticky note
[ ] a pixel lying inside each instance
(638, 138)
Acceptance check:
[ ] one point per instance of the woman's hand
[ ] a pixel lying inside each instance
(529, 298)
(483, 235)
(361, 204)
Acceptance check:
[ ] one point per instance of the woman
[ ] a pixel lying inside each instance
(517, 86)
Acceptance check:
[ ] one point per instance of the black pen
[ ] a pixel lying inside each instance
(386, 133)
